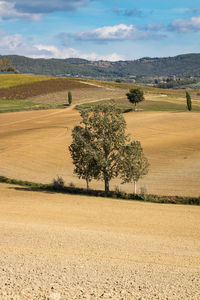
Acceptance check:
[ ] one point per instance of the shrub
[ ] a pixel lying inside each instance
(58, 183)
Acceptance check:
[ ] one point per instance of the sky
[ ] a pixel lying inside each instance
(99, 29)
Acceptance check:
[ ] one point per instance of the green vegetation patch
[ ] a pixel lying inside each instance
(32, 186)
(10, 80)
(21, 105)
(122, 104)
(169, 104)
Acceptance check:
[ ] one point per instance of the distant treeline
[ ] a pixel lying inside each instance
(183, 66)
(174, 83)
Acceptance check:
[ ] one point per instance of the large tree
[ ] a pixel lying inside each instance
(134, 163)
(99, 148)
(106, 127)
(135, 96)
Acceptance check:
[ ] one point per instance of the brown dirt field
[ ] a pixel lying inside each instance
(34, 146)
(64, 247)
(89, 93)
(44, 87)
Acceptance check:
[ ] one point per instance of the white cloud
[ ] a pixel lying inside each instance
(185, 26)
(33, 9)
(8, 11)
(55, 52)
(16, 44)
(119, 32)
(116, 32)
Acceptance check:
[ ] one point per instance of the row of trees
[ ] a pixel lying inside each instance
(101, 149)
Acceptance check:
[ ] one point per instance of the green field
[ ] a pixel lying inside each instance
(10, 80)
(168, 104)
(21, 105)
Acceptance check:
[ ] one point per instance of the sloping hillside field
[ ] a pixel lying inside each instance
(34, 146)
(42, 86)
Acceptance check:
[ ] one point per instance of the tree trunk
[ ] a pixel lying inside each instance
(135, 106)
(135, 189)
(87, 183)
(106, 185)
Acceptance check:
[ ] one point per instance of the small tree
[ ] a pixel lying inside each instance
(189, 102)
(134, 163)
(6, 65)
(83, 155)
(69, 98)
(135, 96)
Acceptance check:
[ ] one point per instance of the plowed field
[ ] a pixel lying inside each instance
(44, 87)
(64, 247)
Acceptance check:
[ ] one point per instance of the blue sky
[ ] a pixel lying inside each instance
(99, 29)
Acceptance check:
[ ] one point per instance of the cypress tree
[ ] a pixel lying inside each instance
(189, 102)
(69, 98)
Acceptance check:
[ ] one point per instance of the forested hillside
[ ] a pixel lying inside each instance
(181, 65)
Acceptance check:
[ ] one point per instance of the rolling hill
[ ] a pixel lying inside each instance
(181, 65)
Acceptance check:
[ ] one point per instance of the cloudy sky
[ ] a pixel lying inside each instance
(99, 29)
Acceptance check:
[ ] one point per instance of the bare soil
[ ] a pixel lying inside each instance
(62, 247)
(85, 93)
(44, 87)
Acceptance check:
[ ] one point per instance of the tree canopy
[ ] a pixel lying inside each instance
(99, 149)
(135, 96)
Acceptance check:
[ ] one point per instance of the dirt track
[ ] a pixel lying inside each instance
(79, 247)
(34, 146)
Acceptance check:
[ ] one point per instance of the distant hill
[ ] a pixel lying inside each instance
(181, 65)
